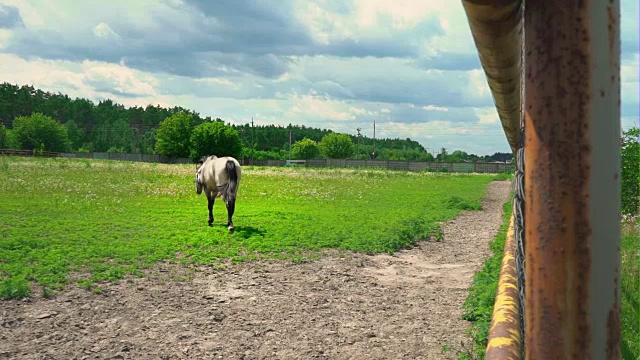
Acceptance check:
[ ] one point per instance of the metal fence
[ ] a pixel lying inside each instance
(99, 156)
(568, 202)
(491, 168)
(128, 157)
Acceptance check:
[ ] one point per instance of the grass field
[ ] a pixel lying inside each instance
(478, 306)
(102, 220)
(630, 291)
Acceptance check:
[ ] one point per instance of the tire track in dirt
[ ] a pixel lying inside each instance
(401, 306)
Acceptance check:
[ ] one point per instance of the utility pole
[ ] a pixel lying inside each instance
(289, 142)
(374, 139)
(358, 148)
(253, 141)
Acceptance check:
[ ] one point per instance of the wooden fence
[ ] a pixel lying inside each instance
(12, 152)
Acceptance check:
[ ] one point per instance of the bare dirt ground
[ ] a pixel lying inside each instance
(401, 306)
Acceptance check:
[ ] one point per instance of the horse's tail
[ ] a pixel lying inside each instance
(232, 189)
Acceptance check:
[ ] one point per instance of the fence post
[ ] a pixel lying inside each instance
(572, 186)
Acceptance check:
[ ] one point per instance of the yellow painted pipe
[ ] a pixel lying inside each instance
(504, 340)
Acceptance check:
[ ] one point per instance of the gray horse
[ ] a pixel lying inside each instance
(219, 177)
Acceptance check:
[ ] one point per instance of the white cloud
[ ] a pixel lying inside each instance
(64, 76)
(487, 115)
(478, 85)
(311, 106)
(325, 26)
(5, 35)
(118, 79)
(103, 31)
(409, 65)
(629, 71)
(88, 79)
(478, 139)
(403, 13)
(435, 108)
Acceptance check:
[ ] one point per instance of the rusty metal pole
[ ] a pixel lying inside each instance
(572, 186)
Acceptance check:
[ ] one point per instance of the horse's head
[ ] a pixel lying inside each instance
(199, 177)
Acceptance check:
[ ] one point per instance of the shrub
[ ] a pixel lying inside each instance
(630, 181)
(337, 146)
(174, 135)
(40, 132)
(305, 149)
(3, 137)
(215, 138)
(456, 202)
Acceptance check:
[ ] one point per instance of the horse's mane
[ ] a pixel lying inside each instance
(205, 158)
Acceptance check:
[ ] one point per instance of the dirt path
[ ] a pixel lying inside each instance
(403, 306)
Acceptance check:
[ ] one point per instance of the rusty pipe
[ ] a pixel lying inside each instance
(496, 27)
(572, 182)
(504, 340)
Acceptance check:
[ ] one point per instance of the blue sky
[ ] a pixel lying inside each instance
(338, 64)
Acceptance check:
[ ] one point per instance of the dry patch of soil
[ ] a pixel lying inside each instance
(401, 306)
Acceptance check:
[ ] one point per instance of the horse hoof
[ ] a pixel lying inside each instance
(231, 229)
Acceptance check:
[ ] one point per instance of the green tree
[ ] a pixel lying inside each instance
(337, 146)
(305, 149)
(39, 131)
(74, 133)
(12, 140)
(442, 156)
(215, 138)
(630, 181)
(461, 155)
(427, 157)
(3, 137)
(173, 136)
(109, 125)
(148, 142)
(116, 134)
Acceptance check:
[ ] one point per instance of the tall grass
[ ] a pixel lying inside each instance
(630, 290)
(478, 307)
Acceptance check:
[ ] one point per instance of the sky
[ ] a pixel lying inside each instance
(410, 65)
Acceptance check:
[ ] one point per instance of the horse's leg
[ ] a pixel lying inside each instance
(231, 207)
(211, 198)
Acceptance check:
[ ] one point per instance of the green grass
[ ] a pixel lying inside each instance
(478, 306)
(630, 291)
(65, 220)
(456, 202)
(504, 176)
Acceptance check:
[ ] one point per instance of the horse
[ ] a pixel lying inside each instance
(219, 176)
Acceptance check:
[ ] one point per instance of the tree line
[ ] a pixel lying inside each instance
(34, 119)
